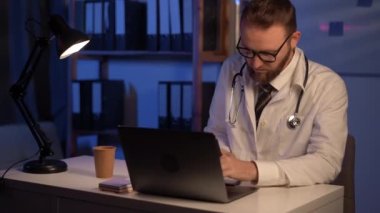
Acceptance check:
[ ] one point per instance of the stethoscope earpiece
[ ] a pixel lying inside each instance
(293, 121)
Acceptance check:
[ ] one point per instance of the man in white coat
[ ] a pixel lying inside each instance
(298, 136)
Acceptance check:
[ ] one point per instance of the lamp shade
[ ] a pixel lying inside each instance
(68, 40)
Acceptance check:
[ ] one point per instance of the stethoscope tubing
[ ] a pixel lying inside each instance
(304, 85)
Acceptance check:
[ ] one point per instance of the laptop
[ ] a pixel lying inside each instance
(177, 164)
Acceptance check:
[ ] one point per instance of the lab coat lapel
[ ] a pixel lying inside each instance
(249, 98)
(282, 94)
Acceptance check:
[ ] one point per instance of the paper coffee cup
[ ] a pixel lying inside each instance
(104, 157)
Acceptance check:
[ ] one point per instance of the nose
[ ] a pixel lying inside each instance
(255, 62)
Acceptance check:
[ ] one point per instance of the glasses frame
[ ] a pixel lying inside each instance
(260, 53)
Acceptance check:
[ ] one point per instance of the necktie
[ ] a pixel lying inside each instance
(263, 99)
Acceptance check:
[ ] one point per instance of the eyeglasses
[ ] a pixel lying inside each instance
(264, 56)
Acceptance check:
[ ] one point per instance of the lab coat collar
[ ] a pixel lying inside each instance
(300, 69)
(291, 79)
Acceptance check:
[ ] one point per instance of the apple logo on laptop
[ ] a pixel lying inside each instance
(169, 163)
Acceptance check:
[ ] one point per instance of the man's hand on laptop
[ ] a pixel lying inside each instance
(237, 169)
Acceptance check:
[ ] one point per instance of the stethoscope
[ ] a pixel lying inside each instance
(293, 120)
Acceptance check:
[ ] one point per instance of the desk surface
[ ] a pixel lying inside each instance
(80, 178)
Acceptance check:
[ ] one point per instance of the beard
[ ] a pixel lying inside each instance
(265, 75)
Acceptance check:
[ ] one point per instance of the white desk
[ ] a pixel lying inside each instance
(77, 191)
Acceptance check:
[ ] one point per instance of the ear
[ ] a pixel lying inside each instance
(295, 38)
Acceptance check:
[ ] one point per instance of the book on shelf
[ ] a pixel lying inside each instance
(175, 103)
(152, 25)
(164, 25)
(93, 23)
(211, 25)
(109, 25)
(97, 104)
(120, 42)
(175, 25)
(163, 104)
(80, 16)
(135, 25)
(187, 106)
(187, 23)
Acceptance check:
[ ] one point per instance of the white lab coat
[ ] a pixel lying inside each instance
(311, 153)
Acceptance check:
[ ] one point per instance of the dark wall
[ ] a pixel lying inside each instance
(6, 114)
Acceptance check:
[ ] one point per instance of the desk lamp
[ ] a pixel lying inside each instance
(69, 41)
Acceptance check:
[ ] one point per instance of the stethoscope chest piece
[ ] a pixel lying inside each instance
(293, 121)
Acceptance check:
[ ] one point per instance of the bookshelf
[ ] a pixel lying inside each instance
(198, 56)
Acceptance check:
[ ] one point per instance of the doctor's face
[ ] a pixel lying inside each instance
(267, 51)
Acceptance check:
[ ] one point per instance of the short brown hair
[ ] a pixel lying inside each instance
(265, 13)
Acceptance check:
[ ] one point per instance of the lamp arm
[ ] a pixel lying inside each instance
(30, 67)
(18, 92)
(40, 137)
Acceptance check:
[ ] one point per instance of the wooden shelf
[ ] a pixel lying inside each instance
(205, 56)
(133, 54)
(197, 57)
(212, 56)
(93, 132)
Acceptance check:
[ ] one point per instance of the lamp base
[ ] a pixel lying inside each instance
(45, 166)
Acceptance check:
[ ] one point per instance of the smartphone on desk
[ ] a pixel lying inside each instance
(117, 185)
